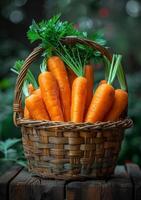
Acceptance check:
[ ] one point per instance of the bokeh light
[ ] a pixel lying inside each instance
(16, 16)
(85, 23)
(133, 8)
(20, 3)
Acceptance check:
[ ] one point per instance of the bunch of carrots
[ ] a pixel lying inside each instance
(65, 95)
(65, 90)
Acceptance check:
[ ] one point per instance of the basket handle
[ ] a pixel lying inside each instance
(17, 105)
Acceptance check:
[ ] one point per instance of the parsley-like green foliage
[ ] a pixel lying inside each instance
(98, 37)
(50, 32)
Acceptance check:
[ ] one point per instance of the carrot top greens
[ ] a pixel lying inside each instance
(116, 63)
(43, 66)
(53, 27)
(116, 59)
(121, 78)
(28, 79)
(50, 32)
(73, 58)
(29, 76)
(25, 88)
(107, 67)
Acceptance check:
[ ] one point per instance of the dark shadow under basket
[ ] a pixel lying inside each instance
(65, 150)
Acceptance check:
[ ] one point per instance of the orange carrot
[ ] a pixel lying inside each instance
(79, 94)
(104, 95)
(72, 76)
(37, 92)
(30, 88)
(36, 107)
(102, 82)
(57, 67)
(119, 105)
(50, 95)
(89, 74)
(101, 103)
(27, 114)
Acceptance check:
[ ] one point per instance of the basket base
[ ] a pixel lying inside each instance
(70, 177)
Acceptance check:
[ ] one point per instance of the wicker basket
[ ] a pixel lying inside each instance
(66, 150)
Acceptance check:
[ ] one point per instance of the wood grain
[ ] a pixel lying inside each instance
(27, 187)
(121, 185)
(5, 181)
(19, 184)
(135, 174)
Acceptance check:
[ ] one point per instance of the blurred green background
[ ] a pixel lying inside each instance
(118, 20)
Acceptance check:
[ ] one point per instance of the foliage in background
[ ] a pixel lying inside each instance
(11, 152)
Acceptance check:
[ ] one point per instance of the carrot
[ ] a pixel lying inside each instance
(119, 105)
(57, 67)
(30, 84)
(79, 94)
(121, 98)
(104, 95)
(73, 60)
(36, 107)
(72, 76)
(37, 92)
(102, 82)
(89, 74)
(31, 88)
(34, 103)
(50, 95)
(27, 114)
(101, 103)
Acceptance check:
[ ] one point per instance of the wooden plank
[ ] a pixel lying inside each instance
(121, 184)
(121, 189)
(135, 174)
(20, 184)
(98, 190)
(27, 187)
(5, 180)
(73, 190)
(106, 193)
(117, 187)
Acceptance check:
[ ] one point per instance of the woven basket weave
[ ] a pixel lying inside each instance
(66, 150)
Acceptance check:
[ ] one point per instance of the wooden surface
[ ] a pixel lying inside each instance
(18, 184)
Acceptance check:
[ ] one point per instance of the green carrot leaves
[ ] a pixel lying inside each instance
(121, 78)
(116, 59)
(107, 67)
(29, 76)
(51, 31)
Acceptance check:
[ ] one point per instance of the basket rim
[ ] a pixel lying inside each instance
(84, 126)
